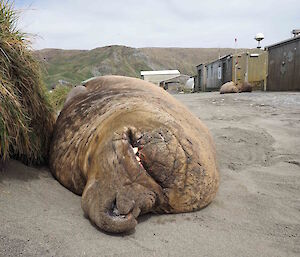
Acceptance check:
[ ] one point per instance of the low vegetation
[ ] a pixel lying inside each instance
(58, 96)
(26, 118)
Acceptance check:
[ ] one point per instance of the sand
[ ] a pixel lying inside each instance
(256, 211)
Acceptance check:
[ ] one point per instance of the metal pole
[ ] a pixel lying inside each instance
(266, 70)
(246, 75)
(236, 60)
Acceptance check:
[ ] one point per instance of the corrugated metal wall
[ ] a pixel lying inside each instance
(214, 80)
(212, 76)
(251, 67)
(200, 78)
(284, 66)
(255, 64)
(227, 70)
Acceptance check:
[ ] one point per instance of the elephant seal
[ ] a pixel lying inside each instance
(245, 87)
(229, 87)
(129, 148)
(74, 92)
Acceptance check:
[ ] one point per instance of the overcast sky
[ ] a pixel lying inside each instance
(87, 24)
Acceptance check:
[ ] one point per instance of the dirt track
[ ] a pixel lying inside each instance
(256, 212)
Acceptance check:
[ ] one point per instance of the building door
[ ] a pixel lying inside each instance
(199, 80)
(224, 73)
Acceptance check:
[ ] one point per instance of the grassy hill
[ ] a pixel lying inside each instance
(75, 66)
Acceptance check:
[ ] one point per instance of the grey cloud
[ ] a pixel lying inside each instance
(190, 23)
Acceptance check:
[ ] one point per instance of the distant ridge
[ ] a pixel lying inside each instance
(75, 66)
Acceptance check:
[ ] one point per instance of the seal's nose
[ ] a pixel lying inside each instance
(103, 212)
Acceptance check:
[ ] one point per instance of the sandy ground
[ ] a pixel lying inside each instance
(256, 212)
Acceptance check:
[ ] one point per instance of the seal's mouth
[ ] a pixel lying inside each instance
(134, 142)
(138, 158)
(137, 155)
(136, 147)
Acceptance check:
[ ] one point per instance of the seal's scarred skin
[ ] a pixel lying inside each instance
(128, 147)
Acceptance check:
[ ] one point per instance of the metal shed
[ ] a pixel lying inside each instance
(250, 66)
(176, 84)
(211, 76)
(284, 65)
(157, 76)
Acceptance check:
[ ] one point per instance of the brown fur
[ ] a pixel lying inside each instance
(92, 153)
(228, 87)
(245, 87)
(75, 92)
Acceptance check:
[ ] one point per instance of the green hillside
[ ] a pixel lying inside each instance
(75, 66)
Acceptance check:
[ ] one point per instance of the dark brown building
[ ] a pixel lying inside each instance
(284, 65)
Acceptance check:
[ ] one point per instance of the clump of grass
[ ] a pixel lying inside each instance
(58, 96)
(26, 117)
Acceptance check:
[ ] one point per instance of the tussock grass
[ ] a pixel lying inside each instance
(26, 118)
(58, 96)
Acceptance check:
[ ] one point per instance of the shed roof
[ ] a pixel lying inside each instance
(160, 72)
(215, 60)
(283, 42)
(181, 76)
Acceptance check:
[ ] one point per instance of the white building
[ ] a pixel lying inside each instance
(157, 76)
